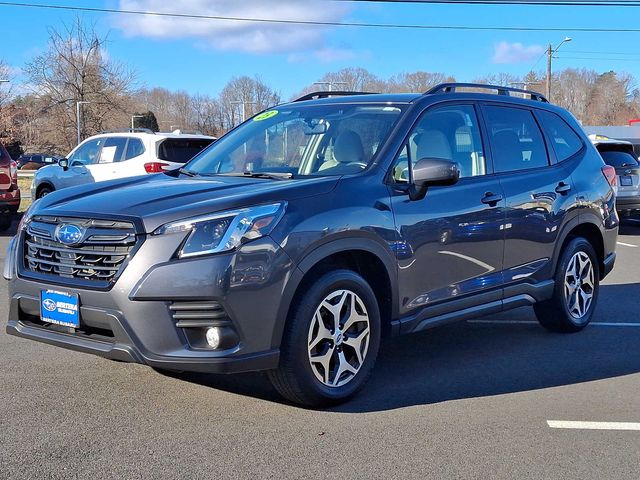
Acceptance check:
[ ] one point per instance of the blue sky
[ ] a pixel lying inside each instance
(200, 56)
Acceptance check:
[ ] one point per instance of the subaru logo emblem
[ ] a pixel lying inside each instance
(49, 304)
(69, 234)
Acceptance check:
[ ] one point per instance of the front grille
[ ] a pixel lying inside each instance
(97, 258)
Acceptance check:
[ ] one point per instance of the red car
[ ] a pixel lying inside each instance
(9, 191)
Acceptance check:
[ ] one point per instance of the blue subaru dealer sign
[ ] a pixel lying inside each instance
(60, 308)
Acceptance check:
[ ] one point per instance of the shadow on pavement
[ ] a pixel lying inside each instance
(475, 360)
(14, 225)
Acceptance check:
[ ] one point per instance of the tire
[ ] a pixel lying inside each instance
(6, 219)
(570, 309)
(310, 333)
(43, 192)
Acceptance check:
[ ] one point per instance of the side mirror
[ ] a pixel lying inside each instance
(64, 163)
(429, 172)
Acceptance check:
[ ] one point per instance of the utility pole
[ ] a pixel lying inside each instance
(550, 52)
(330, 84)
(244, 104)
(78, 123)
(133, 117)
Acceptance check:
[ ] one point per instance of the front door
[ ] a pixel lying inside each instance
(450, 244)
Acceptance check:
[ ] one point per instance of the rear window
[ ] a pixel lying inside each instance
(565, 141)
(619, 159)
(181, 150)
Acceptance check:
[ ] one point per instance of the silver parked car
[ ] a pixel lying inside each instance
(620, 155)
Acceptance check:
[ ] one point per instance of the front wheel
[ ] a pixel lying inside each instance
(330, 342)
(44, 191)
(577, 283)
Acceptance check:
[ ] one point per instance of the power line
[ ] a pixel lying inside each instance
(321, 23)
(600, 59)
(546, 3)
(635, 54)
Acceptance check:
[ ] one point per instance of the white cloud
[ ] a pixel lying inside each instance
(505, 52)
(252, 37)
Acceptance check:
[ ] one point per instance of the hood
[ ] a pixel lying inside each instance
(158, 199)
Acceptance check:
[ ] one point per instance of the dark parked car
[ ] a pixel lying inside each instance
(9, 191)
(301, 238)
(620, 155)
(34, 161)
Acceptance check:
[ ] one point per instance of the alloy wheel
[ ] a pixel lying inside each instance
(579, 285)
(338, 339)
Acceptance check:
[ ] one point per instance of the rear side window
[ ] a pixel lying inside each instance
(112, 149)
(619, 159)
(565, 141)
(36, 159)
(134, 148)
(516, 139)
(181, 150)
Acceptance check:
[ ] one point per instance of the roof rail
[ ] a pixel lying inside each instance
(129, 130)
(501, 90)
(326, 94)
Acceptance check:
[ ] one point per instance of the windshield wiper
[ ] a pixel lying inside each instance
(271, 175)
(186, 172)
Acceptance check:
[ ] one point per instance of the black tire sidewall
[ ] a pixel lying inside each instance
(577, 245)
(295, 346)
(44, 191)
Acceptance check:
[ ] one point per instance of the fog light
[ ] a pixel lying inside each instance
(213, 337)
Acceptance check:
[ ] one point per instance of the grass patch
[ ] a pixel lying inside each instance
(25, 192)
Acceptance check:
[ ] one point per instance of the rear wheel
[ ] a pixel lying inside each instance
(330, 342)
(577, 283)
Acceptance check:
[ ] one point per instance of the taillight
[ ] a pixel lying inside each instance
(155, 167)
(610, 174)
(14, 171)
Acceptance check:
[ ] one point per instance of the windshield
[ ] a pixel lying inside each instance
(301, 140)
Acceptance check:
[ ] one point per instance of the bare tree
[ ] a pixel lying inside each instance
(75, 69)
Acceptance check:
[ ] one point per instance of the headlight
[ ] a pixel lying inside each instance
(26, 216)
(224, 231)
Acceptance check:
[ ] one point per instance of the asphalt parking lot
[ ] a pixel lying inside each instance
(470, 400)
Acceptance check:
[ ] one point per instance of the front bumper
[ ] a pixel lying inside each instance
(134, 322)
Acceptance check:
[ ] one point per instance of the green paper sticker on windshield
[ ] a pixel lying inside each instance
(265, 115)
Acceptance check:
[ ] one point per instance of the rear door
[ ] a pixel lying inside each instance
(450, 243)
(538, 193)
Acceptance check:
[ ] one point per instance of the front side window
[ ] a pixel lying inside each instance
(516, 139)
(330, 139)
(87, 153)
(565, 141)
(450, 133)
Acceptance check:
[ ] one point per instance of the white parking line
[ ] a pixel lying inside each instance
(627, 245)
(533, 322)
(594, 425)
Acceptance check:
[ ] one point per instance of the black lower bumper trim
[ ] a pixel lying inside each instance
(126, 353)
(609, 262)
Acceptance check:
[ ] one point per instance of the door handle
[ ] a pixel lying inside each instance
(491, 199)
(563, 188)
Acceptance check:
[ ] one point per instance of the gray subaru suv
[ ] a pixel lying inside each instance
(315, 229)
